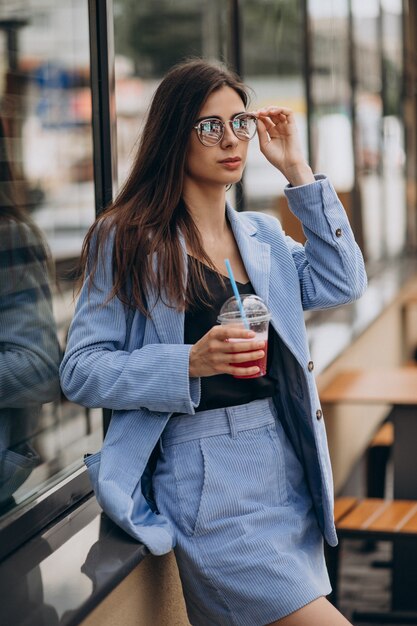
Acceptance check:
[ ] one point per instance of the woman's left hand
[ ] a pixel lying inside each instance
(279, 142)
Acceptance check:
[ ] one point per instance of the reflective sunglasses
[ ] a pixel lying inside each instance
(210, 130)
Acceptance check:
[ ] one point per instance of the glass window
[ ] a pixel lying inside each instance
(357, 132)
(409, 118)
(393, 144)
(46, 206)
(332, 149)
(368, 104)
(148, 41)
(272, 60)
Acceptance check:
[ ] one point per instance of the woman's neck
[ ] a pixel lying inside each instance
(208, 210)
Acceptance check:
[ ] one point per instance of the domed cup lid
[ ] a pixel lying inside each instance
(254, 307)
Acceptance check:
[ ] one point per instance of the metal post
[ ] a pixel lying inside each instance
(308, 72)
(104, 111)
(103, 101)
(235, 60)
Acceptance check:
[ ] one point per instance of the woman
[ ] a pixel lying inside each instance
(235, 473)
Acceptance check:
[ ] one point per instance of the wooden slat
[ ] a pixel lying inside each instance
(394, 516)
(411, 524)
(363, 514)
(384, 436)
(376, 515)
(342, 506)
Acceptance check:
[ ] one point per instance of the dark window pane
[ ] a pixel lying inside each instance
(272, 60)
(46, 206)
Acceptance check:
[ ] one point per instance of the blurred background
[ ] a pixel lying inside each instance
(76, 79)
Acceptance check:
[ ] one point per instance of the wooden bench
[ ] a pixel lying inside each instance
(379, 518)
(369, 518)
(396, 387)
(343, 506)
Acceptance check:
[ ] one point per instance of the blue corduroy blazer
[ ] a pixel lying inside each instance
(138, 367)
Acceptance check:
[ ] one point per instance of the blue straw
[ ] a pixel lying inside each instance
(236, 292)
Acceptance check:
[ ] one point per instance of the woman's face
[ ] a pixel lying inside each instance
(224, 162)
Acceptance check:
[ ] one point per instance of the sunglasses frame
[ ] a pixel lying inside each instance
(223, 125)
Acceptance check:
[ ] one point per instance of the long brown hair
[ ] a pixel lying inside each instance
(149, 213)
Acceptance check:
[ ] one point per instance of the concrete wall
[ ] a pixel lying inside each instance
(150, 596)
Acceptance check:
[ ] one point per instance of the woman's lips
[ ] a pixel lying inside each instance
(231, 164)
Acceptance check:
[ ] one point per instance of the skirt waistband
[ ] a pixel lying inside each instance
(229, 420)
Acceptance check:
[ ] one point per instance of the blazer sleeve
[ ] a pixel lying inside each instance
(98, 370)
(330, 264)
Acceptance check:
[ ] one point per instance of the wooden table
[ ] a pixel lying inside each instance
(396, 387)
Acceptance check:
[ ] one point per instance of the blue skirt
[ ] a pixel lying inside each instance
(248, 546)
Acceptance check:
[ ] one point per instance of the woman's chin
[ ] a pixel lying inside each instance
(232, 180)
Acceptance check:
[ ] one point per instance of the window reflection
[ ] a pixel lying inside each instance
(46, 206)
(29, 356)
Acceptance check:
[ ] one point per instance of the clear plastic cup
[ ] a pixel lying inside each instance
(257, 316)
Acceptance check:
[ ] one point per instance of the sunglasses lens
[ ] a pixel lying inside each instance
(244, 127)
(210, 132)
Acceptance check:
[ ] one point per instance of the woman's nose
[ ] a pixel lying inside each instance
(229, 138)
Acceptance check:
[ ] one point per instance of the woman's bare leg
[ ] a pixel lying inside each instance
(318, 613)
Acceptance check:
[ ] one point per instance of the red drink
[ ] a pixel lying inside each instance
(253, 314)
(261, 363)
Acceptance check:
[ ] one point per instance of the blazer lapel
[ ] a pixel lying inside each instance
(169, 323)
(255, 254)
(287, 315)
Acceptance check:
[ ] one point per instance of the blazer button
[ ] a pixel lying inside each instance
(310, 366)
(338, 232)
(319, 414)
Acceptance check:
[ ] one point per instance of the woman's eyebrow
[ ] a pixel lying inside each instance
(217, 117)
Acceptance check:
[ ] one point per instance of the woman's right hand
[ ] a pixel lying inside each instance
(280, 143)
(215, 354)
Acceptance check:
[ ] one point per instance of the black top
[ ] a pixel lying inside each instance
(223, 390)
